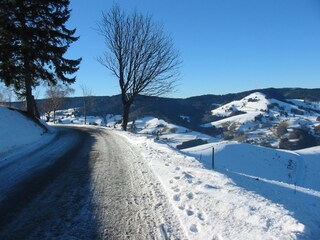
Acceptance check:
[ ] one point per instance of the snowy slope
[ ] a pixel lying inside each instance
(172, 134)
(250, 195)
(257, 103)
(305, 104)
(16, 130)
(252, 103)
(257, 117)
(311, 158)
(289, 167)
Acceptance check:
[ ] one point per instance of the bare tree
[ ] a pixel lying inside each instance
(56, 95)
(6, 94)
(139, 54)
(45, 109)
(87, 100)
(3, 99)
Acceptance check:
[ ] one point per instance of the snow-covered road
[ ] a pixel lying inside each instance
(98, 187)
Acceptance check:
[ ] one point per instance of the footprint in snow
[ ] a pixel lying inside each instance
(188, 175)
(199, 182)
(181, 207)
(194, 228)
(201, 216)
(157, 205)
(176, 188)
(176, 197)
(208, 186)
(190, 195)
(189, 212)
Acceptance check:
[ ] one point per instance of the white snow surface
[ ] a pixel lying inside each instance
(252, 103)
(172, 134)
(17, 130)
(244, 111)
(257, 103)
(251, 194)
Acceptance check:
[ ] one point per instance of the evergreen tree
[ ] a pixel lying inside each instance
(33, 41)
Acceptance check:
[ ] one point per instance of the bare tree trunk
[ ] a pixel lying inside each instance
(35, 108)
(47, 117)
(29, 97)
(26, 65)
(125, 116)
(87, 94)
(85, 112)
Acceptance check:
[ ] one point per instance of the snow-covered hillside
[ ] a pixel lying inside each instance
(17, 130)
(169, 133)
(259, 103)
(255, 118)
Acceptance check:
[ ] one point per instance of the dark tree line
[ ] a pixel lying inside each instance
(33, 41)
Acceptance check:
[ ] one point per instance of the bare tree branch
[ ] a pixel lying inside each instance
(139, 55)
(55, 95)
(87, 100)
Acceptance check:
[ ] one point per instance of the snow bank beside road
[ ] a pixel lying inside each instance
(213, 205)
(16, 130)
(300, 168)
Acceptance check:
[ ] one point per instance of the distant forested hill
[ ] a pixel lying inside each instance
(197, 108)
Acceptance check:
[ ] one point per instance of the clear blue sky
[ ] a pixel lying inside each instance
(226, 45)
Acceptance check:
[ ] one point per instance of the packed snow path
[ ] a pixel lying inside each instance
(100, 188)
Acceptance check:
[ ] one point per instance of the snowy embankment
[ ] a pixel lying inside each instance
(250, 195)
(23, 138)
(18, 131)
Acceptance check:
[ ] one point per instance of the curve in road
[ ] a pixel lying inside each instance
(101, 188)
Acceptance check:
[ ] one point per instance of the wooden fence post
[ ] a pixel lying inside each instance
(213, 158)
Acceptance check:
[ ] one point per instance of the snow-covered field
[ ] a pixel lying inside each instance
(252, 193)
